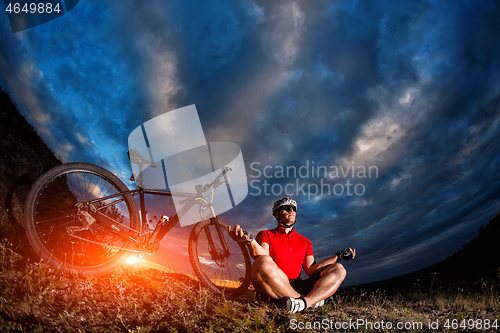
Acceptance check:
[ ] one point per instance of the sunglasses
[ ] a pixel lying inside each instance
(288, 208)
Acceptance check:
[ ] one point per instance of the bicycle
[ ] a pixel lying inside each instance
(84, 219)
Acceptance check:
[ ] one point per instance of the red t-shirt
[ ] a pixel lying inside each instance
(287, 250)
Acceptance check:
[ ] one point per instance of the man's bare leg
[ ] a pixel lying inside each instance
(272, 280)
(327, 285)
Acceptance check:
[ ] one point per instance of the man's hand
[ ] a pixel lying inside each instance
(346, 254)
(239, 235)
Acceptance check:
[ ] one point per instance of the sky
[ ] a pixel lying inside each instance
(381, 118)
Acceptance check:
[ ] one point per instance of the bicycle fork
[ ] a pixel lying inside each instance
(213, 249)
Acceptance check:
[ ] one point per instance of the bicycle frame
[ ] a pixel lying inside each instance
(164, 225)
(82, 218)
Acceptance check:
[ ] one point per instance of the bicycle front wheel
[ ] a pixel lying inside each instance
(59, 220)
(227, 273)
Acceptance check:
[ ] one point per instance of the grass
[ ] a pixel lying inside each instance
(38, 298)
(35, 297)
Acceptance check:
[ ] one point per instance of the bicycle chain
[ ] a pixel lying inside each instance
(70, 232)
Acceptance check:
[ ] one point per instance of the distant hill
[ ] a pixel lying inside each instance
(23, 158)
(478, 260)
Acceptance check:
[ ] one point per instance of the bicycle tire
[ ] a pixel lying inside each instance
(230, 276)
(50, 211)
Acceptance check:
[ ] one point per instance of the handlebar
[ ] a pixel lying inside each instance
(216, 180)
(200, 189)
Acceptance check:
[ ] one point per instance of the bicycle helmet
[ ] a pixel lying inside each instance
(286, 201)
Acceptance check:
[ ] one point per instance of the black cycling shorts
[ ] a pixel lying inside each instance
(304, 287)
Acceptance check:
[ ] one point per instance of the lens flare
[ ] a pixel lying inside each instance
(133, 260)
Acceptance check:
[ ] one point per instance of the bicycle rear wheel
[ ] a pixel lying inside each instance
(59, 219)
(223, 273)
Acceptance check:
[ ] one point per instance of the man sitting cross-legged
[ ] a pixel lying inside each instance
(281, 253)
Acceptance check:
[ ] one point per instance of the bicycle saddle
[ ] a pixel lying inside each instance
(136, 158)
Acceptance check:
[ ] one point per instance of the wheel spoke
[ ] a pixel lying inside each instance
(59, 223)
(223, 273)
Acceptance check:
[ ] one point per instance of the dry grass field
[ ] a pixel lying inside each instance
(37, 298)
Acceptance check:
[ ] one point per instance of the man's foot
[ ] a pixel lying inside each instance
(293, 305)
(328, 300)
(317, 305)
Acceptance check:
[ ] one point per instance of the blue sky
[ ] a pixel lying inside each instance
(410, 88)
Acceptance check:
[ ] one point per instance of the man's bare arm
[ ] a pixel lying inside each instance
(257, 249)
(312, 268)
